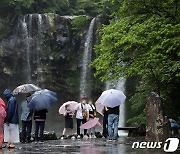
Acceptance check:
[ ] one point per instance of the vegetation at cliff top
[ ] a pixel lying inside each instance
(79, 22)
(143, 42)
(62, 7)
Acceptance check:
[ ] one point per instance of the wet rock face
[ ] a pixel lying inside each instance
(42, 49)
(155, 125)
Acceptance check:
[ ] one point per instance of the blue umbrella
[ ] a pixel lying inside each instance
(43, 99)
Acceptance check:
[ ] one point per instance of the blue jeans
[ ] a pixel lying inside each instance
(113, 119)
(39, 127)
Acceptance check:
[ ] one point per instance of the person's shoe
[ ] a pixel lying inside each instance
(109, 140)
(115, 140)
(28, 141)
(90, 136)
(62, 138)
(41, 141)
(94, 136)
(11, 146)
(36, 142)
(85, 137)
(72, 137)
(23, 141)
(78, 137)
(3, 146)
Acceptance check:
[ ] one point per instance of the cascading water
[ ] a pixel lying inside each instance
(85, 72)
(32, 44)
(120, 86)
(39, 49)
(27, 39)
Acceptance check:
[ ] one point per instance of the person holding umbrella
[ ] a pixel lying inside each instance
(26, 118)
(111, 99)
(113, 119)
(82, 116)
(68, 120)
(11, 127)
(40, 102)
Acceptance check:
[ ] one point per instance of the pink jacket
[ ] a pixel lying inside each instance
(2, 109)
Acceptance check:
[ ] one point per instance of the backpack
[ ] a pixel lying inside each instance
(84, 112)
(92, 113)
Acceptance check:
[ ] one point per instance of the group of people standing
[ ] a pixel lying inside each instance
(9, 121)
(86, 111)
(27, 117)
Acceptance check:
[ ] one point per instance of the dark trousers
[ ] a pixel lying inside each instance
(105, 125)
(79, 122)
(26, 130)
(39, 127)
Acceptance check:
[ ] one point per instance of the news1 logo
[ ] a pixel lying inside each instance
(170, 145)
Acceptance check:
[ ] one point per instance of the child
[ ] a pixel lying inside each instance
(68, 120)
(40, 118)
(2, 117)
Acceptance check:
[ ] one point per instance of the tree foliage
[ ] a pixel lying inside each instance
(62, 7)
(143, 41)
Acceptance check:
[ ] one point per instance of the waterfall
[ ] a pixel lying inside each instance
(39, 50)
(31, 27)
(27, 39)
(120, 86)
(85, 72)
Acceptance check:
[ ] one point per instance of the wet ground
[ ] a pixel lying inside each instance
(90, 146)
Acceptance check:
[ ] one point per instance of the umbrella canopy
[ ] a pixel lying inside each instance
(26, 88)
(111, 98)
(73, 106)
(99, 108)
(43, 99)
(91, 124)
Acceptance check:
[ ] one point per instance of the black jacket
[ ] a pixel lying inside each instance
(41, 114)
(114, 110)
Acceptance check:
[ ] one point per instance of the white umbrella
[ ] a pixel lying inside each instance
(111, 98)
(26, 88)
(99, 108)
(73, 106)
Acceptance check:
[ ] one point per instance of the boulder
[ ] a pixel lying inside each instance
(156, 124)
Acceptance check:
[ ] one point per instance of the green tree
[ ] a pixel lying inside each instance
(143, 42)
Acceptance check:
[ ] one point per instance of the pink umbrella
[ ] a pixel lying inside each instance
(99, 108)
(73, 106)
(91, 124)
